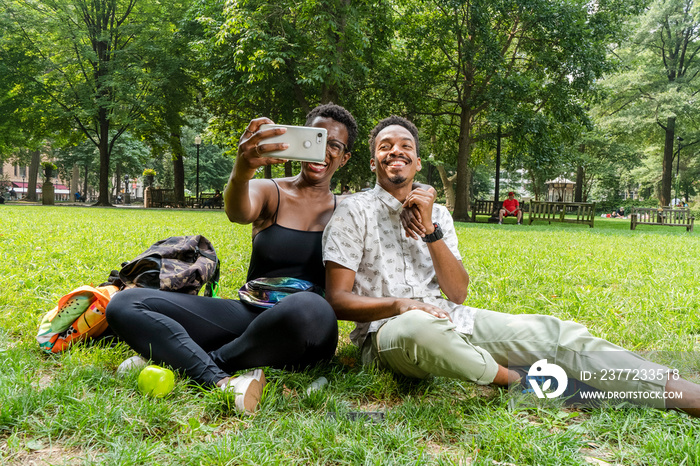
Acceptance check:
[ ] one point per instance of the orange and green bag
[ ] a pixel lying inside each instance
(79, 315)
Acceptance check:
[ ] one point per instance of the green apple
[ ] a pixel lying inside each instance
(156, 381)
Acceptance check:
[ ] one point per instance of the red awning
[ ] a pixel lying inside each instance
(21, 187)
(24, 184)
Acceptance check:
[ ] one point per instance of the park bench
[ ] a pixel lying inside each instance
(557, 211)
(162, 198)
(667, 216)
(484, 207)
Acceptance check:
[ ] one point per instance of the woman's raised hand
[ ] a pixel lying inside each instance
(251, 147)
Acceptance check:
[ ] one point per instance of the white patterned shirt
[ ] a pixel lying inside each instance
(365, 235)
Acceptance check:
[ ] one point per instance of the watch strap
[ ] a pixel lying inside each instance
(437, 234)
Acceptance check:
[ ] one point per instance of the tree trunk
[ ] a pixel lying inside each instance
(267, 171)
(74, 181)
(667, 175)
(497, 183)
(85, 183)
(536, 187)
(447, 183)
(32, 176)
(288, 168)
(578, 195)
(117, 180)
(178, 164)
(462, 201)
(103, 196)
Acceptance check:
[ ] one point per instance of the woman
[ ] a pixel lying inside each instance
(210, 339)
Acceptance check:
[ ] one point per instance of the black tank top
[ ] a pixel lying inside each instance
(284, 252)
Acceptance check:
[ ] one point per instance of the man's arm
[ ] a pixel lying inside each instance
(350, 306)
(451, 274)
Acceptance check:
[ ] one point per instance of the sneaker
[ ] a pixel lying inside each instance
(500, 222)
(248, 389)
(134, 362)
(520, 223)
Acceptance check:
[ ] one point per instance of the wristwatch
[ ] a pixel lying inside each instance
(435, 235)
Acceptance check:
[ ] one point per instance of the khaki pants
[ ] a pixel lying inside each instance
(417, 344)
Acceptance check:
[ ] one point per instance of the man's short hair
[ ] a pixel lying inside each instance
(390, 121)
(337, 113)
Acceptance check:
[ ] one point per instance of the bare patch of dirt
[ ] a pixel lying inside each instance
(54, 455)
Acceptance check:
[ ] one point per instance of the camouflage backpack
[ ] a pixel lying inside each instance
(180, 263)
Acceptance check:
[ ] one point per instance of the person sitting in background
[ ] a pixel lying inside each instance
(214, 201)
(511, 206)
(619, 213)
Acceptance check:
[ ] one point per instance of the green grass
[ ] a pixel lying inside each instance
(637, 289)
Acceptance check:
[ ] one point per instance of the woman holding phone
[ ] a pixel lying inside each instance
(210, 339)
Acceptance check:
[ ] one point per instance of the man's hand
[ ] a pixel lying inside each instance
(404, 305)
(422, 201)
(411, 221)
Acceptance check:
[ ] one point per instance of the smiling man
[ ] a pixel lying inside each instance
(392, 286)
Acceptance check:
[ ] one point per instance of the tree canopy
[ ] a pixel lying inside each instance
(565, 85)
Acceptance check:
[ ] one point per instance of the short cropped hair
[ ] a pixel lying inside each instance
(337, 113)
(390, 121)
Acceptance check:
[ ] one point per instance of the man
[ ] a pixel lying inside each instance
(619, 213)
(391, 286)
(511, 206)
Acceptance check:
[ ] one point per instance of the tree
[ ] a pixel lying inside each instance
(510, 58)
(280, 59)
(659, 85)
(27, 117)
(92, 67)
(170, 60)
(602, 160)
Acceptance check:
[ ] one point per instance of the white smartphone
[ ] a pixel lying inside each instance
(306, 143)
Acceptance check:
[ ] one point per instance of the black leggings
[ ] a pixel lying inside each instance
(211, 338)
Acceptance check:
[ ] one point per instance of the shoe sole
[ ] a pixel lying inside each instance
(248, 389)
(132, 363)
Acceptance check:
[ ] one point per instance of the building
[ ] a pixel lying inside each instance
(15, 177)
(560, 190)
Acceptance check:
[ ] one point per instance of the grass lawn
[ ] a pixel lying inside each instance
(638, 289)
